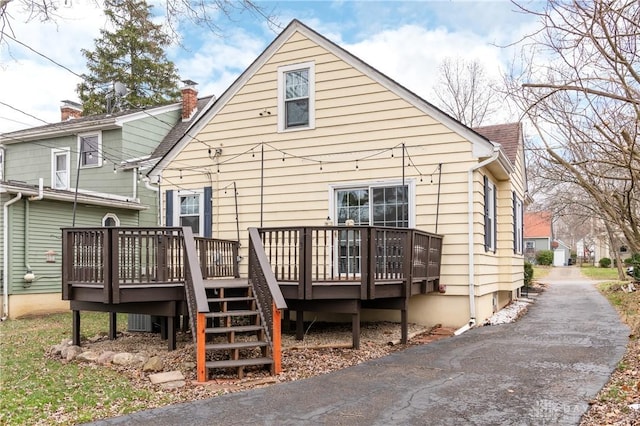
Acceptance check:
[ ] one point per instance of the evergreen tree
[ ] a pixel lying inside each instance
(131, 53)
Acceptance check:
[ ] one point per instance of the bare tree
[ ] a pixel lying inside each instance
(465, 92)
(201, 12)
(580, 88)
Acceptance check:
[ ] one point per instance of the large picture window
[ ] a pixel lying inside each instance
(90, 150)
(377, 205)
(60, 162)
(296, 97)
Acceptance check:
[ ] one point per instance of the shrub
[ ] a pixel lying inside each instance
(544, 257)
(605, 262)
(634, 259)
(528, 273)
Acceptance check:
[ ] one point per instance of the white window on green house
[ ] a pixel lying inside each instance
(90, 149)
(296, 97)
(110, 219)
(60, 168)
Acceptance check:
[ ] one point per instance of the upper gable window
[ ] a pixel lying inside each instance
(296, 97)
(90, 149)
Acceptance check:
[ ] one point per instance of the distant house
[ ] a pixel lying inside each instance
(311, 135)
(82, 171)
(538, 233)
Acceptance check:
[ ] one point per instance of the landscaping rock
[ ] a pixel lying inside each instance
(169, 376)
(106, 357)
(88, 356)
(153, 364)
(71, 352)
(123, 358)
(173, 385)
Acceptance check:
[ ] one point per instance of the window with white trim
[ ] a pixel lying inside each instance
(189, 210)
(60, 168)
(90, 149)
(296, 97)
(517, 226)
(530, 245)
(489, 215)
(110, 219)
(380, 204)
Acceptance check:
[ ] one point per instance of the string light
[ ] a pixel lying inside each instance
(357, 165)
(180, 174)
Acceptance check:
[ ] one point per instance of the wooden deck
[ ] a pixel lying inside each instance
(168, 273)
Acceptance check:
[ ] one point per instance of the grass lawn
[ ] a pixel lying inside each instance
(597, 273)
(540, 272)
(37, 390)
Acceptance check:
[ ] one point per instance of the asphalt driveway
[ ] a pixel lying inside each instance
(540, 370)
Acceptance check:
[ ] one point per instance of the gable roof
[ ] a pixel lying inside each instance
(180, 129)
(509, 136)
(482, 146)
(537, 225)
(84, 124)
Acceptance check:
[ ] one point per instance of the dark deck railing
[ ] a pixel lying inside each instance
(365, 256)
(104, 264)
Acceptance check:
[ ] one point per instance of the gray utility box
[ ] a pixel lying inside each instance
(143, 323)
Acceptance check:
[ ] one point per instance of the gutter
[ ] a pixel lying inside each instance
(5, 256)
(472, 291)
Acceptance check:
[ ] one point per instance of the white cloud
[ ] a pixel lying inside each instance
(33, 84)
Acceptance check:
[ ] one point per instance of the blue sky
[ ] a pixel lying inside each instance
(407, 40)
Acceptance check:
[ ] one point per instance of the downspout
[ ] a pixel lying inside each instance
(151, 187)
(134, 191)
(29, 275)
(5, 256)
(472, 289)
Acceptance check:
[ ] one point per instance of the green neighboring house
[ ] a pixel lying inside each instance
(83, 172)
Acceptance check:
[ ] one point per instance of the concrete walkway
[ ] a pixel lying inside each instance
(540, 370)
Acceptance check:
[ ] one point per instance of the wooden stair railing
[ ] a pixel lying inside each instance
(234, 327)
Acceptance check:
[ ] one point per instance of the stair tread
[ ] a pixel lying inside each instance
(235, 345)
(231, 299)
(238, 362)
(230, 313)
(238, 329)
(231, 283)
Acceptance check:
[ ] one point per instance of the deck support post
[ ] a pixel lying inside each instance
(299, 325)
(404, 327)
(201, 358)
(76, 328)
(277, 340)
(113, 325)
(355, 329)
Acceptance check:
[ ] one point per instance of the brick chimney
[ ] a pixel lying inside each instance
(70, 110)
(189, 99)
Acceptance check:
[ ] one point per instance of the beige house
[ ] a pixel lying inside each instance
(309, 135)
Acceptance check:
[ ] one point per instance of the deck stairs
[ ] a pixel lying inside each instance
(235, 334)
